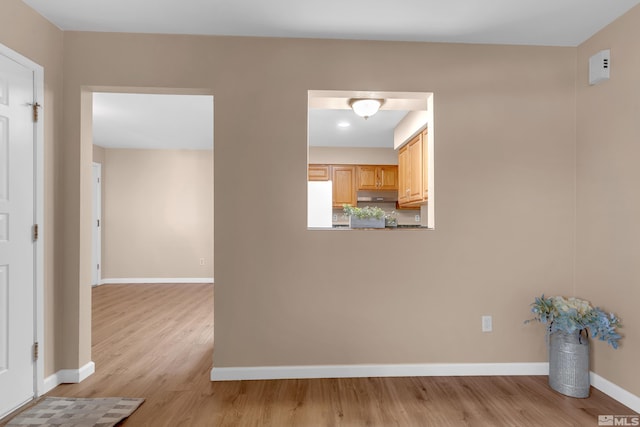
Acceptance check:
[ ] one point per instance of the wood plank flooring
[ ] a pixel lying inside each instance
(156, 342)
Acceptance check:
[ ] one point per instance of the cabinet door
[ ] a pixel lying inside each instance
(425, 166)
(415, 160)
(319, 173)
(404, 176)
(344, 185)
(367, 178)
(387, 177)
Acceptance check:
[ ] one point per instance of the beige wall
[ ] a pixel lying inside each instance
(98, 154)
(355, 156)
(158, 214)
(504, 171)
(608, 229)
(28, 33)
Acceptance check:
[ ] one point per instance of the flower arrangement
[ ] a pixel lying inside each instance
(574, 315)
(362, 213)
(390, 219)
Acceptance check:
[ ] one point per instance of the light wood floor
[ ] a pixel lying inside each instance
(156, 342)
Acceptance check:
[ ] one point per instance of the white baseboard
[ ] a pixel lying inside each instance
(616, 392)
(359, 371)
(50, 383)
(139, 280)
(72, 376)
(413, 370)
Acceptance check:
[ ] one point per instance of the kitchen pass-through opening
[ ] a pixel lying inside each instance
(370, 169)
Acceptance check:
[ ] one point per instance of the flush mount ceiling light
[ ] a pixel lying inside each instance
(365, 107)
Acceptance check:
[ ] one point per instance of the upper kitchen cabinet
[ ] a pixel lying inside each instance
(425, 166)
(412, 163)
(381, 177)
(416, 167)
(404, 177)
(344, 185)
(319, 172)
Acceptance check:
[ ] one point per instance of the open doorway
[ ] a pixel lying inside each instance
(155, 155)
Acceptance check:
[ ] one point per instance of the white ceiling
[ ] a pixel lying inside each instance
(534, 22)
(150, 121)
(376, 131)
(328, 109)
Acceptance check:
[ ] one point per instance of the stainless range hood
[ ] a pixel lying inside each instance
(378, 196)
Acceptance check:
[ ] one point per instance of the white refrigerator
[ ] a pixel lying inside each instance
(319, 204)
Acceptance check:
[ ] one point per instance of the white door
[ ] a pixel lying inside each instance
(97, 224)
(17, 246)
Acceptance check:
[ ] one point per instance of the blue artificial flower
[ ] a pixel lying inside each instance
(572, 315)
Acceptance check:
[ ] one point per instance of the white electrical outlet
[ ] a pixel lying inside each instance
(201, 261)
(335, 217)
(487, 324)
(417, 218)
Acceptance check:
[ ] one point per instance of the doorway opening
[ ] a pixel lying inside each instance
(155, 155)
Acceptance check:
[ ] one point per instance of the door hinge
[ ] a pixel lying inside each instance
(35, 107)
(98, 221)
(98, 266)
(35, 232)
(36, 349)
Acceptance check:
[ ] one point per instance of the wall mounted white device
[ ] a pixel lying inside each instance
(599, 66)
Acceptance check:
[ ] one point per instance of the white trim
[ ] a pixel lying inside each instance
(413, 370)
(51, 382)
(69, 376)
(38, 94)
(96, 215)
(358, 371)
(615, 392)
(39, 200)
(138, 280)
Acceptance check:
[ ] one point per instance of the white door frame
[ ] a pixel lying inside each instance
(38, 274)
(96, 233)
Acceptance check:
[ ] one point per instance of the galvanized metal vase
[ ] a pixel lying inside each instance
(569, 363)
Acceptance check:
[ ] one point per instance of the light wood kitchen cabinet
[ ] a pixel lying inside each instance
(412, 164)
(404, 176)
(344, 185)
(415, 165)
(377, 177)
(425, 166)
(319, 172)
